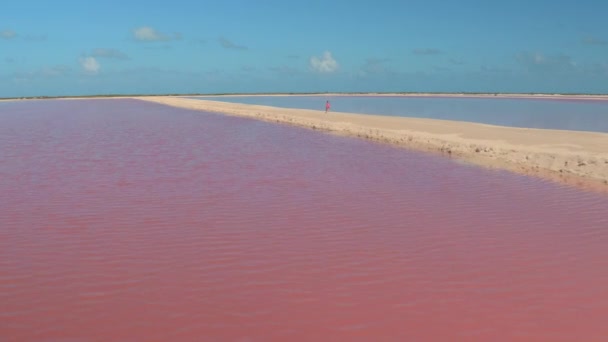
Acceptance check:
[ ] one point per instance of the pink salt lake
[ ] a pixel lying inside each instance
(123, 220)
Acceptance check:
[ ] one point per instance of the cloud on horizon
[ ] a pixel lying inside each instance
(8, 34)
(149, 34)
(227, 44)
(89, 65)
(324, 64)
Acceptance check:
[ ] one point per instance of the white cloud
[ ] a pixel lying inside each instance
(149, 34)
(8, 34)
(90, 65)
(324, 64)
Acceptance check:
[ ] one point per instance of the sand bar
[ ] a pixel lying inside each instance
(573, 157)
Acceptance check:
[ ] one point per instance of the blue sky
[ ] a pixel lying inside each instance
(97, 47)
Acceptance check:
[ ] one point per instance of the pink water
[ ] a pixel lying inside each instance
(128, 221)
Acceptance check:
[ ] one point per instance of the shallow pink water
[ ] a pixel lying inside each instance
(125, 220)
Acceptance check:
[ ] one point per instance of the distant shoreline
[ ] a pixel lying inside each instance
(372, 94)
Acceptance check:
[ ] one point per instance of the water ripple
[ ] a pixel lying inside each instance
(131, 221)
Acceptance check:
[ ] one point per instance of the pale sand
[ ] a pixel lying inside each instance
(573, 157)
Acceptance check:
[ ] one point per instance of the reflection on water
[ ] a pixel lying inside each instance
(124, 221)
(578, 115)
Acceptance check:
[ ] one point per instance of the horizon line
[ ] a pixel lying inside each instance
(302, 93)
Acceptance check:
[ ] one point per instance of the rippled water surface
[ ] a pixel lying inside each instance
(130, 221)
(577, 115)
